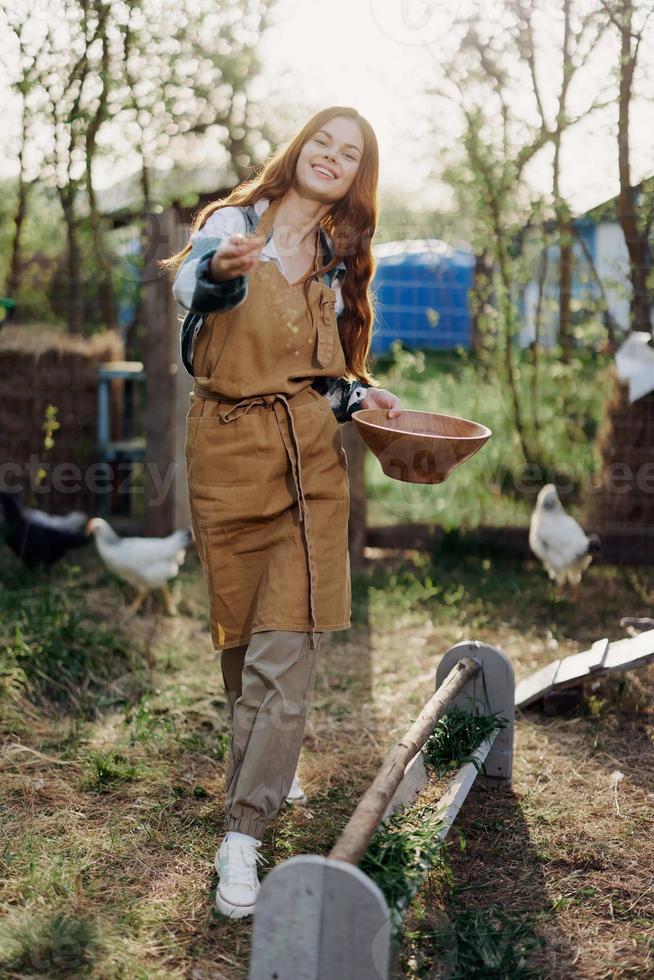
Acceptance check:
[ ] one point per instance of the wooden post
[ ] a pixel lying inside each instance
(355, 838)
(183, 387)
(318, 919)
(492, 690)
(167, 387)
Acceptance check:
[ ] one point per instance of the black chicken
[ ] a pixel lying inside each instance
(38, 538)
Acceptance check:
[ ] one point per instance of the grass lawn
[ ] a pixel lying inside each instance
(111, 776)
(494, 487)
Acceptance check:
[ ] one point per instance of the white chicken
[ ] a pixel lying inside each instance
(634, 363)
(558, 540)
(146, 563)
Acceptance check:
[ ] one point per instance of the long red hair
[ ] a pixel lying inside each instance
(351, 222)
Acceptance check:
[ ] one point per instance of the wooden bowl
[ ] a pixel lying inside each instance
(419, 447)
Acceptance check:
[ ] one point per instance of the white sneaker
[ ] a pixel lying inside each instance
(296, 794)
(236, 864)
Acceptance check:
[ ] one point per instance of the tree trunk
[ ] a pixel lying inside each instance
(636, 241)
(106, 294)
(482, 290)
(565, 288)
(148, 239)
(74, 258)
(563, 221)
(13, 277)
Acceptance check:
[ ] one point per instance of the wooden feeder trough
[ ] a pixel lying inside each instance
(321, 918)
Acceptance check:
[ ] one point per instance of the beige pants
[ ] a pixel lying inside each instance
(268, 684)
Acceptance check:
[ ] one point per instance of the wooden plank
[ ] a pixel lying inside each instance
(579, 665)
(460, 785)
(631, 652)
(317, 919)
(536, 685)
(601, 648)
(603, 657)
(415, 778)
(403, 537)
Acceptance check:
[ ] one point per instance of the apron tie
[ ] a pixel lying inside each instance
(293, 450)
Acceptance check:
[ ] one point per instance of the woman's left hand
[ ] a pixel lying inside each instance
(381, 398)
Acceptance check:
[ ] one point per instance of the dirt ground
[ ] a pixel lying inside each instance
(110, 822)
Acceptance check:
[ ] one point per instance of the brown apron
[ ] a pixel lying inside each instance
(267, 473)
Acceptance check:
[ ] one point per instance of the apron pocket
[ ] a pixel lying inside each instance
(229, 454)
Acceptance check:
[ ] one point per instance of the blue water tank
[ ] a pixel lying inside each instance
(421, 291)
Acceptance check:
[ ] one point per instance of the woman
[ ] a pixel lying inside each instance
(277, 339)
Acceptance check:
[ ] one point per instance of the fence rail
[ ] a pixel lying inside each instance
(621, 546)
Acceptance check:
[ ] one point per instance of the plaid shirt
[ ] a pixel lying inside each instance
(194, 290)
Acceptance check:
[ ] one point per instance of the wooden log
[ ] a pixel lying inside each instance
(404, 537)
(356, 836)
(603, 657)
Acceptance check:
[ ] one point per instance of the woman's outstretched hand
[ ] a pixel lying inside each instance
(235, 256)
(381, 398)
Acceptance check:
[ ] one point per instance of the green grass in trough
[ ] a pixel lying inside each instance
(456, 736)
(403, 849)
(405, 846)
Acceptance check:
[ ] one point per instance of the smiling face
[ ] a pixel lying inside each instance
(329, 160)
